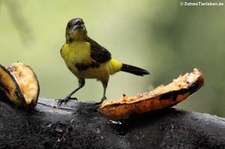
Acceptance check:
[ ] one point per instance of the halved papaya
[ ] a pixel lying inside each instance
(159, 98)
(19, 84)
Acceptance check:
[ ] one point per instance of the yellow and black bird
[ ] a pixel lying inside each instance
(85, 58)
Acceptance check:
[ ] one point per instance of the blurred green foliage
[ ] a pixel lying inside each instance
(163, 37)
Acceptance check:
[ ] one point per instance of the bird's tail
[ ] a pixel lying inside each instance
(134, 70)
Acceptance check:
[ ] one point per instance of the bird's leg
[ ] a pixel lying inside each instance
(104, 84)
(68, 97)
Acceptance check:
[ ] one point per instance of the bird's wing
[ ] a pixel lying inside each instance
(99, 53)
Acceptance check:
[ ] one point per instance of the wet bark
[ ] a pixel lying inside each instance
(79, 125)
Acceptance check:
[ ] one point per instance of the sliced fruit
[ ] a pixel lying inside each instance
(20, 85)
(159, 98)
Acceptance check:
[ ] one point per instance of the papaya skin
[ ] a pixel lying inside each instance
(126, 106)
(19, 84)
(9, 87)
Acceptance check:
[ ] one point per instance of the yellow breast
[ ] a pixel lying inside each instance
(76, 52)
(80, 53)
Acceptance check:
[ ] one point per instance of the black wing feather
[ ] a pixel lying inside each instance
(99, 53)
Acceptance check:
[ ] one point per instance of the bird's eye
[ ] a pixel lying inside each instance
(69, 25)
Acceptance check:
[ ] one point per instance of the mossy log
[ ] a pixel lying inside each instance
(79, 125)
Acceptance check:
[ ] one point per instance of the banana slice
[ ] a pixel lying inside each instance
(159, 98)
(20, 85)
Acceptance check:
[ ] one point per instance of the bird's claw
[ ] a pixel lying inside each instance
(98, 103)
(66, 100)
(103, 98)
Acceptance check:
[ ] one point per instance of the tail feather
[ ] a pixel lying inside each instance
(134, 70)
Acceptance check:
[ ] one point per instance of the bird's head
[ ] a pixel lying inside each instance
(75, 30)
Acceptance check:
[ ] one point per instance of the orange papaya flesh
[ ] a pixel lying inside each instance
(19, 84)
(159, 98)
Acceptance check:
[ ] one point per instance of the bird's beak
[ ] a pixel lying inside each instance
(78, 26)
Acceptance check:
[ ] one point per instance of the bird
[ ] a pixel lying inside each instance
(87, 59)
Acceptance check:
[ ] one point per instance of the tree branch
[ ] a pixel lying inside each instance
(79, 125)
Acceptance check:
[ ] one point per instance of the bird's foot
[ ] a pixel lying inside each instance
(98, 103)
(103, 98)
(65, 100)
